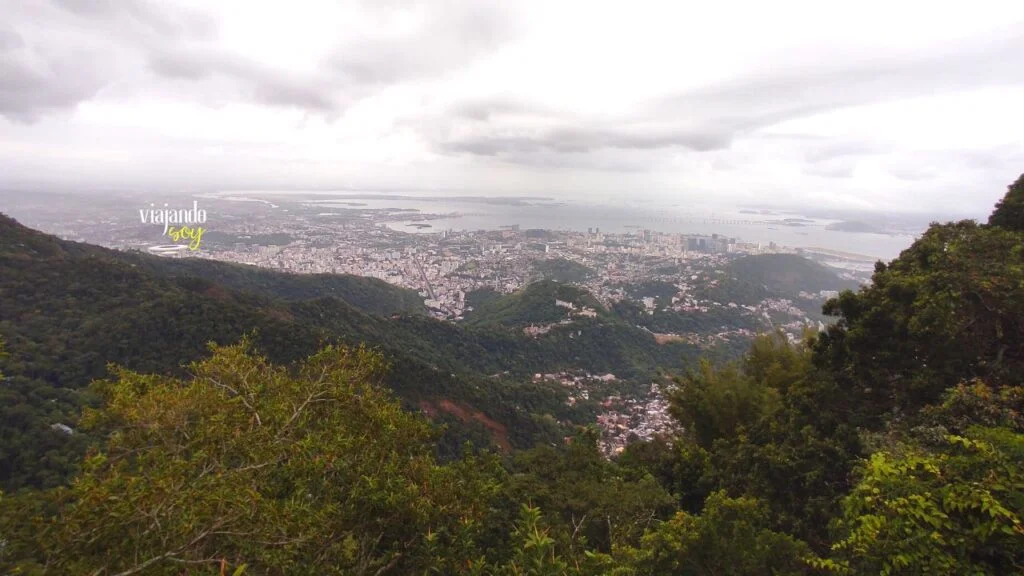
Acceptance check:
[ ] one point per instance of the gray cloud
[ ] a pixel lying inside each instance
(424, 59)
(996, 159)
(585, 139)
(828, 151)
(453, 33)
(754, 102)
(81, 46)
(923, 165)
(71, 49)
(142, 16)
(834, 169)
(257, 82)
(10, 40)
(182, 64)
(713, 117)
(487, 108)
(35, 81)
(912, 172)
(280, 91)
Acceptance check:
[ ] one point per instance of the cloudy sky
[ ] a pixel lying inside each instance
(899, 106)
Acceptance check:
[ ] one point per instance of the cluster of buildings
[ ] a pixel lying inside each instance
(639, 418)
(623, 417)
(444, 267)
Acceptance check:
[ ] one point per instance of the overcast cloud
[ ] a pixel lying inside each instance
(908, 106)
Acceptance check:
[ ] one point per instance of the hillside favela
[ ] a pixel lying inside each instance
(511, 289)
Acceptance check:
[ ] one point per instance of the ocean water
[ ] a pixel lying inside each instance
(479, 213)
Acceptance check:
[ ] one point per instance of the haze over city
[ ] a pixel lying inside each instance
(909, 107)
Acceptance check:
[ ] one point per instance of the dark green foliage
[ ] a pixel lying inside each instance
(956, 509)
(950, 307)
(773, 413)
(713, 321)
(731, 536)
(35, 451)
(590, 499)
(247, 463)
(720, 403)
(366, 294)
(681, 468)
(1009, 212)
(477, 298)
(613, 346)
(976, 403)
(69, 309)
(786, 274)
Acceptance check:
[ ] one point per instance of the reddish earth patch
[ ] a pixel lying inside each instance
(499, 433)
(666, 338)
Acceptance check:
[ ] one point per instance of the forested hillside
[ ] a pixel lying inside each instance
(787, 274)
(535, 304)
(749, 279)
(68, 310)
(891, 443)
(367, 294)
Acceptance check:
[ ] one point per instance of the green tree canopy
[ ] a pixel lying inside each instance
(315, 470)
(592, 500)
(1009, 212)
(772, 427)
(955, 510)
(731, 537)
(950, 307)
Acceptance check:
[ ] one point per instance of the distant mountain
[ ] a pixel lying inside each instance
(788, 274)
(854, 226)
(750, 279)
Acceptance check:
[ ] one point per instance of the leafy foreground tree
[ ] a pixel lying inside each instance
(248, 468)
(731, 536)
(770, 427)
(590, 502)
(954, 510)
(311, 471)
